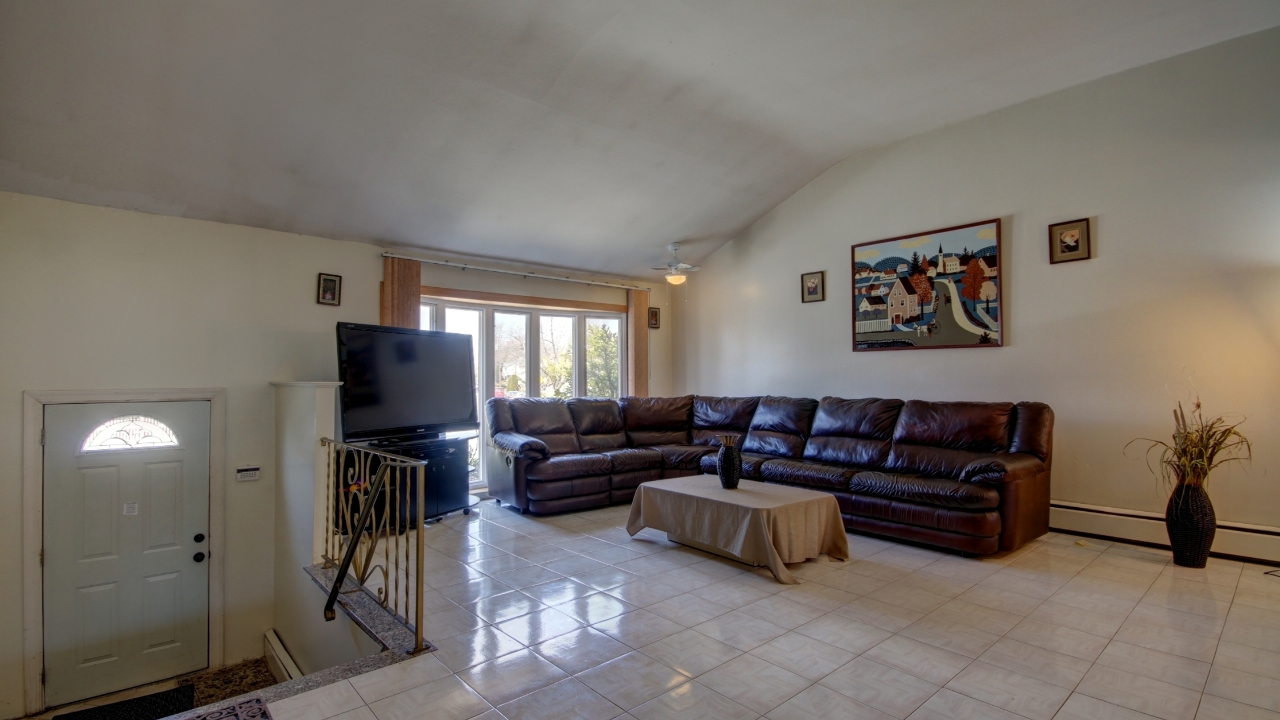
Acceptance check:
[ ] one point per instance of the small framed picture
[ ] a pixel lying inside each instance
(1069, 241)
(813, 286)
(329, 290)
(655, 318)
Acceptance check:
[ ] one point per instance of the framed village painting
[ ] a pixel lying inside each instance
(938, 289)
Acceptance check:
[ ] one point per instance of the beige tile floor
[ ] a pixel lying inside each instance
(570, 618)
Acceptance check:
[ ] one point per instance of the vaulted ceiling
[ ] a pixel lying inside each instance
(578, 133)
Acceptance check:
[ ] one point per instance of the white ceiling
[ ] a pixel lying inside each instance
(584, 134)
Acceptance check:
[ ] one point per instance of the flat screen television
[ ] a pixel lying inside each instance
(400, 384)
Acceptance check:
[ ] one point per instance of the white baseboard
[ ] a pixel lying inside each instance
(1237, 540)
(278, 658)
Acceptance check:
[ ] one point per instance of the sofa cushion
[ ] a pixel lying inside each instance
(598, 422)
(657, 421)
(780, 426)
(684, 457)
(852, 432)
(979, 523)
(560, 467)
(751, 464)
(973, 426)
(807, 473)
(557, 489)
(629, 459)
(629, 480)
(547, 419)
(713, 416)
(925, 491)
(940, 438)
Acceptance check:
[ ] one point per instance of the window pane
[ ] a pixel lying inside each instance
(555, 338)
(468, 322)
(510, 355)
(427, 317)
(604, 357)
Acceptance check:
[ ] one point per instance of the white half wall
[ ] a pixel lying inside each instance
(1178, 162)
(94, 299)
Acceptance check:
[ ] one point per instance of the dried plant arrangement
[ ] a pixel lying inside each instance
(1199, 446)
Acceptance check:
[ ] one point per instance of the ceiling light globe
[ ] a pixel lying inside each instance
(676, 278)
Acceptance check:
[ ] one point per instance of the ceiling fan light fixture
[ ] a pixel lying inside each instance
(675, 277)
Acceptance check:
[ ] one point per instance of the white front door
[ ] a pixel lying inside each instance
(126, 525)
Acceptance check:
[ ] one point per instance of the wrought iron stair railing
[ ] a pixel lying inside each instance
(374, 511)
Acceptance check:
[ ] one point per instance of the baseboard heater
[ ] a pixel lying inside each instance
(1234, 541)
(279, 659)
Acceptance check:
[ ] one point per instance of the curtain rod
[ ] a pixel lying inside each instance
(465, 266)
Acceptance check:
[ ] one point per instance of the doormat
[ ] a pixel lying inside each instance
(253, 709)
(147, 707)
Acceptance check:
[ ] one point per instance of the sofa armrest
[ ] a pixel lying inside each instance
(521, 446)
(1002, 469)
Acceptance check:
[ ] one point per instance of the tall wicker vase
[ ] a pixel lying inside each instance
(1191, 524)
(729, 462)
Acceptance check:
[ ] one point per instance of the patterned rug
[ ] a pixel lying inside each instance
(253, 709)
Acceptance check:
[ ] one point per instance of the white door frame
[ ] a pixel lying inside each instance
(33, 402)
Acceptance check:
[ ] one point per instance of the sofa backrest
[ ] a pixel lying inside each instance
(547, 419)
(598, 422)
(714, 416)
(940, 438)
(1033, 430)
(657, 421)
(498, 411)
(853, 432)
(780, 426)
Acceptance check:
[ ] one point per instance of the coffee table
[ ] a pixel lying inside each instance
(758, 523)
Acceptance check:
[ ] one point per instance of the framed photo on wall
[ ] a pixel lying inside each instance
(655, 318)
(1069, 241)
(329, 289)
(929, 290)
(813, 287)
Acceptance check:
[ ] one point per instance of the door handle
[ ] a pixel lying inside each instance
(199, 557)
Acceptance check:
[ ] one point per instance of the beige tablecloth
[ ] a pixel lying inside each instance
(759, 523)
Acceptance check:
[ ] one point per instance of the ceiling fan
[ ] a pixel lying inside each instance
(675, 268)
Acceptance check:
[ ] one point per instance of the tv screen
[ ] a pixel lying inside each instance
(398, 382)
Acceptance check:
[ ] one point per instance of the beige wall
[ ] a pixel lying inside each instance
(1179, 161)
(94, 298)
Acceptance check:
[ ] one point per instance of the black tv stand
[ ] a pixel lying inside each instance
(447, 484)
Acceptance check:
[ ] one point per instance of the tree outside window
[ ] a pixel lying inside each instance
(604, 350)
(556, 367)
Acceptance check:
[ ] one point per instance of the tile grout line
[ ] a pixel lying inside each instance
(471, 540)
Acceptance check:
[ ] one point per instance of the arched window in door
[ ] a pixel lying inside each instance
(129, 432)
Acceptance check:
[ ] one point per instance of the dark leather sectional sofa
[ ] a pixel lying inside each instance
(969, 476)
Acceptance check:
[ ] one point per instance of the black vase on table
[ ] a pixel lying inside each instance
(729, 462)
(1191, 523)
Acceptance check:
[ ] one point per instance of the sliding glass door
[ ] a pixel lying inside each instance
(510, 354)
(556, 359)
(534, 352)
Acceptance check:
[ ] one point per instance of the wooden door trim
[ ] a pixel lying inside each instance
(33, 402)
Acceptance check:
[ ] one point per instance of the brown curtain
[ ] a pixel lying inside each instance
(638, 342)
(401, 293)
